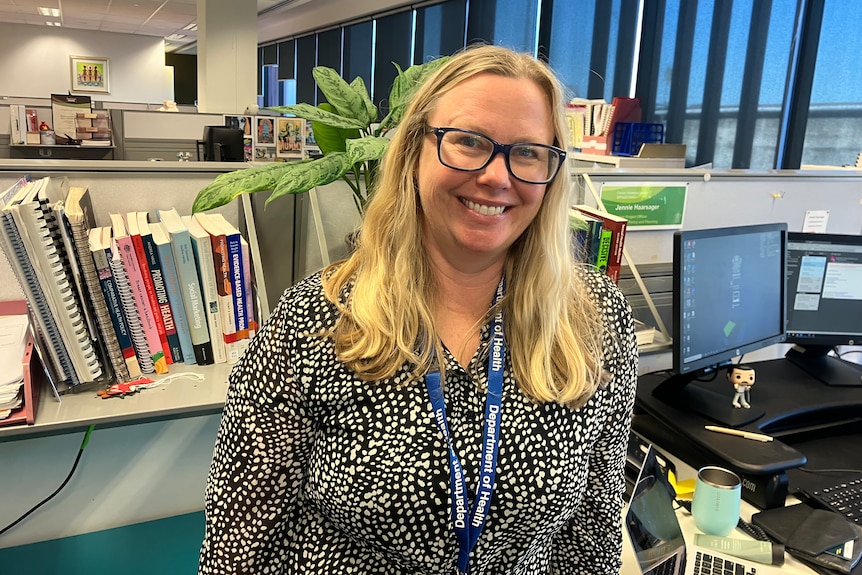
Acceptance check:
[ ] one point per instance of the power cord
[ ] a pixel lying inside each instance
(62, 485)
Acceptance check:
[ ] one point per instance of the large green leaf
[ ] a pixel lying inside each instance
(330, 139)
(302, 176)
(225, 187)
(341, 95)
(358, 84)
(310, 112)
(405, 85)
(365, 149)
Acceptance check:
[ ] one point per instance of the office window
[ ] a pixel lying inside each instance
(358, 48)
(509, 23)
(287, 60)
(329, 53)
(590, 44)
(440, 30)
(712, 57)
(832, 134)
(393, 40)
(306, 59)
(288, 93)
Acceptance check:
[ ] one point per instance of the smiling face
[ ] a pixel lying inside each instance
(471, 219)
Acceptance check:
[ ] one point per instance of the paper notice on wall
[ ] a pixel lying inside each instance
(65, 109)
(815, 221)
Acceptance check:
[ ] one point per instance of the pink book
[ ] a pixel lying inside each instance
(139, 292)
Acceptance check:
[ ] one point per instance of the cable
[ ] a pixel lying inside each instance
(808, 470)
(62, 485)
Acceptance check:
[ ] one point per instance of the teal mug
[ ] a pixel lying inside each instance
(717, 496)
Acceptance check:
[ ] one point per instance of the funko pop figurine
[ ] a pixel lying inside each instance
(742, 378)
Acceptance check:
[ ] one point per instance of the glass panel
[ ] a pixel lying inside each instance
(440, 30)
(835, 115)
(699, 78)
(510, 23)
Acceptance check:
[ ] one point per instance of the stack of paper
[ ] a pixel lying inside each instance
(13, 341)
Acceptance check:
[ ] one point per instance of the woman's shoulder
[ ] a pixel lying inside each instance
(604, 292)
(304, 304)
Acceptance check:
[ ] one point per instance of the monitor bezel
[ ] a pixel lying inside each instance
(723, 358)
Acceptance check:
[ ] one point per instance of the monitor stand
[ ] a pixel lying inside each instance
(680, 391)
(832, 371)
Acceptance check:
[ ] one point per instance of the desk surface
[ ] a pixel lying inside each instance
(791, 565)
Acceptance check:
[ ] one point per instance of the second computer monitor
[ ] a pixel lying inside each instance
(824, 303)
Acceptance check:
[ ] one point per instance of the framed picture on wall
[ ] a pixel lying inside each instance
(290, 133)
(90, 74)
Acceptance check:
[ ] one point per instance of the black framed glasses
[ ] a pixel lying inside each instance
(470, 151)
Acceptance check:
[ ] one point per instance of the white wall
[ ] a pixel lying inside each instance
(35, 62)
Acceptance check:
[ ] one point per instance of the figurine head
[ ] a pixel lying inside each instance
(741, 374)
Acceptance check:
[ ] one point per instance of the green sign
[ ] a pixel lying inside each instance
(647, 205)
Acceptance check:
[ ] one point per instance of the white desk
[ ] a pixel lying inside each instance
(791, 565)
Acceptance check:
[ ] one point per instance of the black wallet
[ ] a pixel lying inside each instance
(808, 533)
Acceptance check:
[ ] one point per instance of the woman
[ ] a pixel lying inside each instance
(455, 396)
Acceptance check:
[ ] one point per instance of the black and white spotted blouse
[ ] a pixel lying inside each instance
(315, 471)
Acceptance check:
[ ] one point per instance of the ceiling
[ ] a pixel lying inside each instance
(169, 19)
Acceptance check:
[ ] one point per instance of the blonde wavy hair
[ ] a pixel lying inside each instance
(553, 328)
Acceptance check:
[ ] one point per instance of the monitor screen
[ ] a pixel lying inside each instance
(824, 303)
(728, 300)
(728, 294)
(223, 144)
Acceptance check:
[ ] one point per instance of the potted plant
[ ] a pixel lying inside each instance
(346, 130)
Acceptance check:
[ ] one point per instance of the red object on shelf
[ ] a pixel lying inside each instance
(34, 376)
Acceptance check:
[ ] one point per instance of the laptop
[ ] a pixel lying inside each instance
(656, 536)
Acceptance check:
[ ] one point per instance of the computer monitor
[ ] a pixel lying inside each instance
(824, 304)
(728, 300)
(223, 144)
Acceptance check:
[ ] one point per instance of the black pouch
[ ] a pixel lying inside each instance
(808, 534)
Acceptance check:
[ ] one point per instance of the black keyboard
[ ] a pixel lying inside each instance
(844, 498)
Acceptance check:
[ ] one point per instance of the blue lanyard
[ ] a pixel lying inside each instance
(469, 524)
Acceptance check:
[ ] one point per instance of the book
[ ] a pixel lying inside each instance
(202, 249)
(133, 220)
(221, 265)
(587, 232)
(79, 215)
(28, 210)
(644, 332)
(18, 117)
(604, 250)
(184, 258)
(618, 226)
(172, 284)
(99, 242)
(156, 274)
(139, 292)
(56, 359)
(241, 279)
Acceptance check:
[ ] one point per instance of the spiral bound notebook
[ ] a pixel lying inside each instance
(136, 329)
(45, 323)
(40, 240)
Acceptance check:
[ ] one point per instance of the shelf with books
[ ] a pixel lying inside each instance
(181, 397)
(123, 187)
